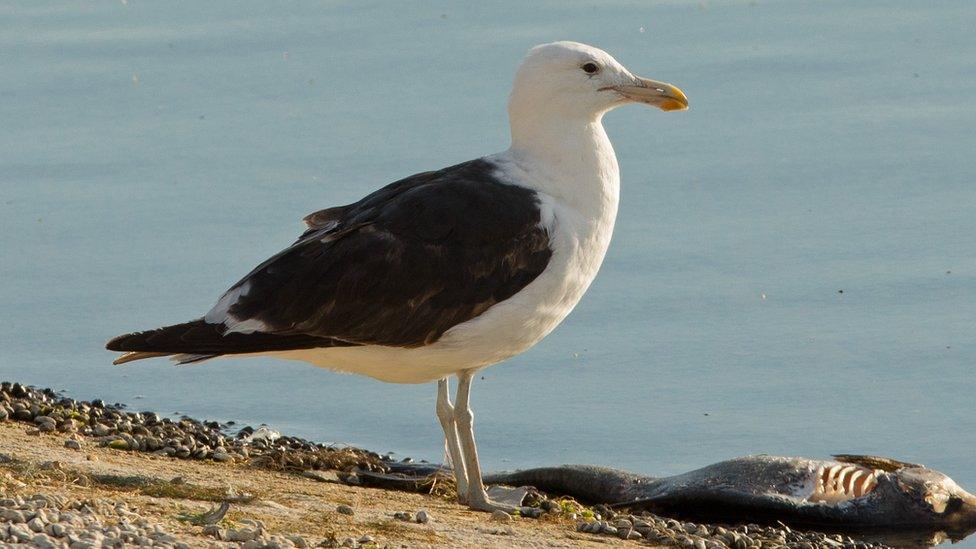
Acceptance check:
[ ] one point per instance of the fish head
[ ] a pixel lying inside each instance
(923, 496)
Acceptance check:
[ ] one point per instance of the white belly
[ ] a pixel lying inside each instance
(578, 243)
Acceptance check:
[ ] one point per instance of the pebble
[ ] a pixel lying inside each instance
(42, 541)
(501, 516)
(19, 534)
(668, 532)
(72, 444)
(12, 515)
(345, 510)
(118, 444)
(317, 476)
(550, 506)
(242, 534)
(404, 516)
(36, 525)
(48, 521)
(186, 438)
(423, 517)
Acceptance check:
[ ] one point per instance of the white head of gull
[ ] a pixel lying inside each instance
(446, 272)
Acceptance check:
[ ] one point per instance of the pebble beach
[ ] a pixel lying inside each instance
(86, 474)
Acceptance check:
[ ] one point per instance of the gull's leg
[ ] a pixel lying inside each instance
(445, 414)
(464, 417)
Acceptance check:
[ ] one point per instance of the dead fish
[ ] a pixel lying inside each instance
(850, 492)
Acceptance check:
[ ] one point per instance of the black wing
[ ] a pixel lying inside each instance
(401, 266)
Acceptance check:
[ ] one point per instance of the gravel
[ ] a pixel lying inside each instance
(185, 438)
(43, 520)
(51, 521)
(663, 531)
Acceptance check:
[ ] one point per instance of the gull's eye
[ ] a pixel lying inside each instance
(590, 68)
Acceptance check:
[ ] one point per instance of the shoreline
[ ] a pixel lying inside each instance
(124, 477)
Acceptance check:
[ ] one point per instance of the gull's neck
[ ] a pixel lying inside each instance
(567, 157)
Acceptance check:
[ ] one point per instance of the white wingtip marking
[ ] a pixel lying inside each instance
(248, 326)
(219, 313)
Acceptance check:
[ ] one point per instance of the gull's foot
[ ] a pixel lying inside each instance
(498, 498)
(490, 506)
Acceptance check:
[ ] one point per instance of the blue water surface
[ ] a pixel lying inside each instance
(793, 270)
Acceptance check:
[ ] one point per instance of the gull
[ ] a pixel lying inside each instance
(446, 272)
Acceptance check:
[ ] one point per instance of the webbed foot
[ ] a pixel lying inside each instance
(497, 498)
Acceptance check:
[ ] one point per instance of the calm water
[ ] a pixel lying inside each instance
(151, 155)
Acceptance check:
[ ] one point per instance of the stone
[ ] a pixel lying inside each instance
(345, 510)
(42, 541)
(318, 476)
(12, 515)
(530, 512)
(423, 517)
(21, 534)
(550, 506)
(118, 444)
(243, 534)
(72, 444)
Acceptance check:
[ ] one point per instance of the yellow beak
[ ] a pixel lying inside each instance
(659, 94)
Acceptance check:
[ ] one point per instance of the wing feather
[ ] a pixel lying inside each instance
(401, 266)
